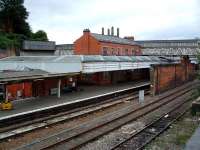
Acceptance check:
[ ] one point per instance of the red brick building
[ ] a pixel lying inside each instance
(100, 44)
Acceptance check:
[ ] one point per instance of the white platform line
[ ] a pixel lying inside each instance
(71, 102)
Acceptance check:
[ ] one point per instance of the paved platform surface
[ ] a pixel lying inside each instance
(194, 141)
(88, 91)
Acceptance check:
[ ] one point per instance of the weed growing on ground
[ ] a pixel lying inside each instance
(177, 136)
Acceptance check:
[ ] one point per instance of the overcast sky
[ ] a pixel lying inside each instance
(64, 20)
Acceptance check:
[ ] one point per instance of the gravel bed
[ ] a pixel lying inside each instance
(177, 136)
(106, 142)
(49, 130)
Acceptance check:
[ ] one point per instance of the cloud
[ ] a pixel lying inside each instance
(64, 20)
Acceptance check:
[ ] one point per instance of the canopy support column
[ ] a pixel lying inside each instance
(59, 86)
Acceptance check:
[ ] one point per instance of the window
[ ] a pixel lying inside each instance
(122, 52)
(105, 51)
(126, 51)
(133, 51)
(118, 51)
(112, 51)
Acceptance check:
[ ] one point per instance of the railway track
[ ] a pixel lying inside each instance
(18, 129)
(48, 112)
(82, 134)
(143, 137)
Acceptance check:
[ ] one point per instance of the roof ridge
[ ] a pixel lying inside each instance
(113, 39)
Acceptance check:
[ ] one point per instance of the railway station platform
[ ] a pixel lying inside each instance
(194, 143)
(34, 104)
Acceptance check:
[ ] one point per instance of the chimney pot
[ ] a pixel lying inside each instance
(117, 32)
(108, 31)
(102, 31)
(112, 31)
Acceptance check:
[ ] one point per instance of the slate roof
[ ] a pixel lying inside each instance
(99, 58)
(58, 59)
(39, 45)
(17, 75)
(65, 47)
(113, 39)
(168, 41)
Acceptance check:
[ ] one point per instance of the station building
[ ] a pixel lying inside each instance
(98, 59)
(101, 44)
(37, 76)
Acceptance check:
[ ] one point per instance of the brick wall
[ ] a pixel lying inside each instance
(36, 88)
(86, 45)
(43, 87)
(119, 49)
(19, 90)
(168, 76)
(112, 77)
(99, 78)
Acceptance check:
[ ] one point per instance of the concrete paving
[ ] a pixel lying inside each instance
(194, 141)
(88, 91)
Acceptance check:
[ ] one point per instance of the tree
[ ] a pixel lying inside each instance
(40, 35)
(10, 40)
(13, 17)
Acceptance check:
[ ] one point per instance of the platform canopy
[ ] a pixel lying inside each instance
(97, 63)
(68, 64)
(50, 64)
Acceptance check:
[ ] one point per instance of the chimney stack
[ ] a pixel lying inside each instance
(108, 31)
(86, 31)
(102, 31)
(117, 32)
(112, 31)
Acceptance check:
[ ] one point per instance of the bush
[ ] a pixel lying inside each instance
(9, 40)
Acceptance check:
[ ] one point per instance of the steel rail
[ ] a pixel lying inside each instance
(43, 122)
(150, 125)
(43, 143)
(47, 111)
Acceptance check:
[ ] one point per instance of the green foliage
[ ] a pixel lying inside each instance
(198, 57)
(13, 26)
(4, 42)
(13, 17)
(39, 36)
(9, 40)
